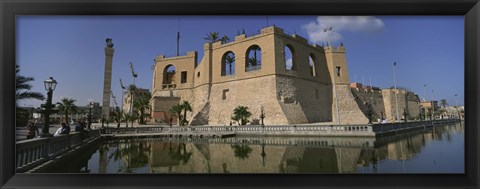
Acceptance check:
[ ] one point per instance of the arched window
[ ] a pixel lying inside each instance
(228, 63)
(311, 62)
(253, 58)
(288, 57)
(169, 76)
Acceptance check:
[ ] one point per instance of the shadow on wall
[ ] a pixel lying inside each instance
(201, 118)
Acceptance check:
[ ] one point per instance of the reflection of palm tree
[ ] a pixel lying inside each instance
(181, 153)
(241, 151)
(135, 155)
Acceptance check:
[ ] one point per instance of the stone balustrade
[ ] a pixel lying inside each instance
(286, 130)
(33, 152)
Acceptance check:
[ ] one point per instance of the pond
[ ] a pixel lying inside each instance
(434, 150)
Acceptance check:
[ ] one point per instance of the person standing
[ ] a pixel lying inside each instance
(65, 129)
(32, 131)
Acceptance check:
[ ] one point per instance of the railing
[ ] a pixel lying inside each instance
(168, 86)
(309, 130)
(399, 126)
(33, 152)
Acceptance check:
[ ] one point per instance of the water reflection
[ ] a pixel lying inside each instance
(435, 150)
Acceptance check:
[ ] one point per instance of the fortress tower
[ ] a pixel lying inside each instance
(107, 80)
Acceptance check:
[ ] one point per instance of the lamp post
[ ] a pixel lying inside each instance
(123, 92)
(424, 92)
(50, 85)
(396, 91)
(262, 114)
(90, 106)
(134, 75)
(327, 30)
(433, 108)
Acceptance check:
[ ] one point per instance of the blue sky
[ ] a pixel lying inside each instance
(428, 49)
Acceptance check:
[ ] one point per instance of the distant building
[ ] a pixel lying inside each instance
(387, 103)
(127, 98)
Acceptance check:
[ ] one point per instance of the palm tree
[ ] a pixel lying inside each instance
(126, 117)
(22, 93)
(142, 103)
(225, 39)
(443, 103)
(67, 106)
(230, 59)
(252, 61)
(255, 49)
(241, 114)
(22, 84)
(212, 37)
(185, 107)
(177, 110)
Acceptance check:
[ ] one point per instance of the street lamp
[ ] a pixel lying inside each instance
(50, 85)
(90, 106)
(262, 114)
(396, 91)
(433, 108)
(123, 88)
(327, 30)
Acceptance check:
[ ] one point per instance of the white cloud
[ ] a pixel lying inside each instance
(316, 34)
(289, 64)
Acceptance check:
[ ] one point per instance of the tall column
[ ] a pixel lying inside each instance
(107, 79)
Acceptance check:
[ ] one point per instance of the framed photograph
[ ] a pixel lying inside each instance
(186, 94)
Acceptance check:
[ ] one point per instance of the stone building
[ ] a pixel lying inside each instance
(127, 98)
(384, 102)
(254, 71)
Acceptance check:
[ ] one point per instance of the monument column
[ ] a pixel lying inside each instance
(107, 79)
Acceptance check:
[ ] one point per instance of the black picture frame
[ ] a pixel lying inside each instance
(9, 9)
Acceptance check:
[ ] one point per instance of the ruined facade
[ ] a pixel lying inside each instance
(253, 71)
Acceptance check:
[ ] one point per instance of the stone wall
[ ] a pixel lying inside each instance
(404, 99)
(349, 111)
(252, 93)
(303, 101)
(365, 96)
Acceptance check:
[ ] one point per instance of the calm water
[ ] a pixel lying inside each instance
(437, 150)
